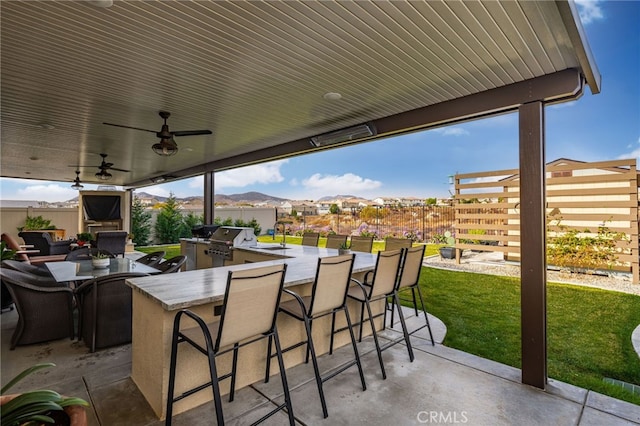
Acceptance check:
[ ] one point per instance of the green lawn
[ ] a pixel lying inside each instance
(589, 330)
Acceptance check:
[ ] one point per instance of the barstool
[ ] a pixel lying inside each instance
(409, 279)
(328, 296)
(381, 285)
(248, 315)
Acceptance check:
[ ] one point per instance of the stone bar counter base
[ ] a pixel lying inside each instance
(156, 299)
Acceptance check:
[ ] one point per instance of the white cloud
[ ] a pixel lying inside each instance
(564, 105)
(51, 192)
(634, 153)
(196, 182)
(589, 10)
(334, 184)
(257, 174)
(158, 190)
(451, 131)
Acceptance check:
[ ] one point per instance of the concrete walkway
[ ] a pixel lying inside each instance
(442, 385)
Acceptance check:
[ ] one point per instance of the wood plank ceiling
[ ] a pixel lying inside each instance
(254, 73)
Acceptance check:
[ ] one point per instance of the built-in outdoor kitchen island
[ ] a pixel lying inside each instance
(156, 299)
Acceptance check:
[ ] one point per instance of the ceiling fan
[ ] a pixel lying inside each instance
(167, 145)
(76, 182)
(104, 167)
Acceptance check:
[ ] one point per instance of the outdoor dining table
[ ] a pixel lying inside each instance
(81, 270)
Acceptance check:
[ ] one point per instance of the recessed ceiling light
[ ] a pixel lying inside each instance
(332, 96)
(46, 126)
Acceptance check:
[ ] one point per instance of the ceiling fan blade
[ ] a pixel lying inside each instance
(191, 132)
(129, 127)
(117, 169)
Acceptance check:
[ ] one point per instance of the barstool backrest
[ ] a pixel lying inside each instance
(331, 284)
(250, 303)
(392, 243)
(310, 239)
(386, 273)
(336, 241)
(359, 243)
(411, 266)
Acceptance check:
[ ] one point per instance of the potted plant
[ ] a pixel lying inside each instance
(344, 249)
(83, 238)
(100, 260)
(40, 406)
(450, 251)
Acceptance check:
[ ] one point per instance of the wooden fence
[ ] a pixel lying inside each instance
(582, 196)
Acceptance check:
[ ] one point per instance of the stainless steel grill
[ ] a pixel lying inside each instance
(225, 238)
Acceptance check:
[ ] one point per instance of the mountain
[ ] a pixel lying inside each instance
(336, 197)
(253, 197)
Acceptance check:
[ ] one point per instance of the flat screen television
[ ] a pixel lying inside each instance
(101, 207)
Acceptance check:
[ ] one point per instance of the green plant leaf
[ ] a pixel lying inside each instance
(24, 374)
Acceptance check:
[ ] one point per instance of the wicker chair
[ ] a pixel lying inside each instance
(172, 265)
(104, 305)
(112, 241)
(28, 255)
(44, 313)
(86, 253)
(152, 259)
(42, 242)
(27, 268)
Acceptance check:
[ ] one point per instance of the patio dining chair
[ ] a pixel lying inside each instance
(40, 271)
(328, 297)
(44, 313)
(172, 265)
(248, 315)
(310, 239)
(152, 259)
(105, 310)
(336, 241)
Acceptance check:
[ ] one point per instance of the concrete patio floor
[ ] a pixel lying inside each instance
(442, 386)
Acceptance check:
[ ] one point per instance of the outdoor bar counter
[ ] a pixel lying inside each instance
(156, 300)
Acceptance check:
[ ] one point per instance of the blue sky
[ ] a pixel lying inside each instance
(594, 128)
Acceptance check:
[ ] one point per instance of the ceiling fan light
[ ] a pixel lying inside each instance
(104, 175)
(166, 147)
(77, 185)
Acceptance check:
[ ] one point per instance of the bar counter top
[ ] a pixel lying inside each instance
(202, 286)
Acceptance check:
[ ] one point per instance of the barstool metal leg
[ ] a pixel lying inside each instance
(375, 338)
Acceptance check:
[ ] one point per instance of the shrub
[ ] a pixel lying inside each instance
(573, 249)
(34, 223)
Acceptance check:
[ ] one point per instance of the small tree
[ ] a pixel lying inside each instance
(169, 224)
(190, 221)
(334, 209)
(140, 223)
